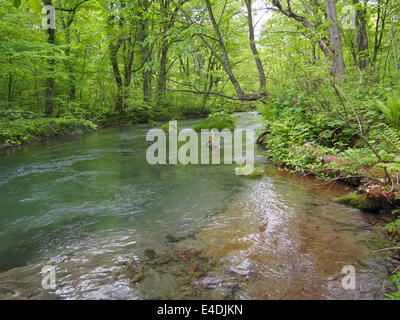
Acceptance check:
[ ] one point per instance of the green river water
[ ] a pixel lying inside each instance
(115, 227)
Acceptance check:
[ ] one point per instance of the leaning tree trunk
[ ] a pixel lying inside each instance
(253, 47)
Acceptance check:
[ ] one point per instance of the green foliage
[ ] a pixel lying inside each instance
(20, 131)
(35, 5)
(16, 3)
(257, 173)
(16, 113)
(393, 229)
(396, 280)
(216, 124)
(219, 120)
(391, 110)
(221, 116)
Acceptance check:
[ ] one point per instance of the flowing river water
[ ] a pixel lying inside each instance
(115, 227)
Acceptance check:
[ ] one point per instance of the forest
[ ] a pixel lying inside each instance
(323, 74)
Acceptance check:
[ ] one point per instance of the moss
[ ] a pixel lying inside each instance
(165, 126)
(216, 124)
(360, 201)
(382, 242)
(152, 123)
(257, 173)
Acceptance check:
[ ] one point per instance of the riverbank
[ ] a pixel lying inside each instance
(323, 145)
(22, 131)
(18, 126)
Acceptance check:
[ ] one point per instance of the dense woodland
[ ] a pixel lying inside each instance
(152, 60)
(323, 73)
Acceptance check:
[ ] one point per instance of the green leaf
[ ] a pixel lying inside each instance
(16, 3)
(35, 5)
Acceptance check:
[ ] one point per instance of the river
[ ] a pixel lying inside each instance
(115, 227)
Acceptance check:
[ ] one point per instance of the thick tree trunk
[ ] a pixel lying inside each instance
(335, 39)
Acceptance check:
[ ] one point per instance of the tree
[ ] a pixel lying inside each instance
(335, 39)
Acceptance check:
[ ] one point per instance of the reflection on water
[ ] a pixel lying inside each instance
(118, 228)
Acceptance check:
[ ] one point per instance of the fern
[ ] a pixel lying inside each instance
(391, 110)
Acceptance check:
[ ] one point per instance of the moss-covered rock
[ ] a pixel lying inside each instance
(257, 173)
(215, 124)
(360, 201)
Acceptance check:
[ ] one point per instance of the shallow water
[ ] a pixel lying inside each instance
(115, 227)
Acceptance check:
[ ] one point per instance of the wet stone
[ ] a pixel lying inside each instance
(150, 253)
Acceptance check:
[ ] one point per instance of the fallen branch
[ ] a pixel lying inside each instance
(385, 249)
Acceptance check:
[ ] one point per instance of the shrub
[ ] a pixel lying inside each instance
(391, 110)
(217, 124)
(22, 130)
(219, 120)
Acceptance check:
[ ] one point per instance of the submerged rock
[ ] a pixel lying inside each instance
(172, 238)
(150, 253)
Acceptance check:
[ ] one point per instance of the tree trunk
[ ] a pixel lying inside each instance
(162, 77)
(379, 28)
(10, 83)
(253, 47)
(66, 23)
(396, 61)
(145, 53)
(225, 60)
(50, 82)
(322, 41)
(361, 37)
(335, 39)
(119, 102)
